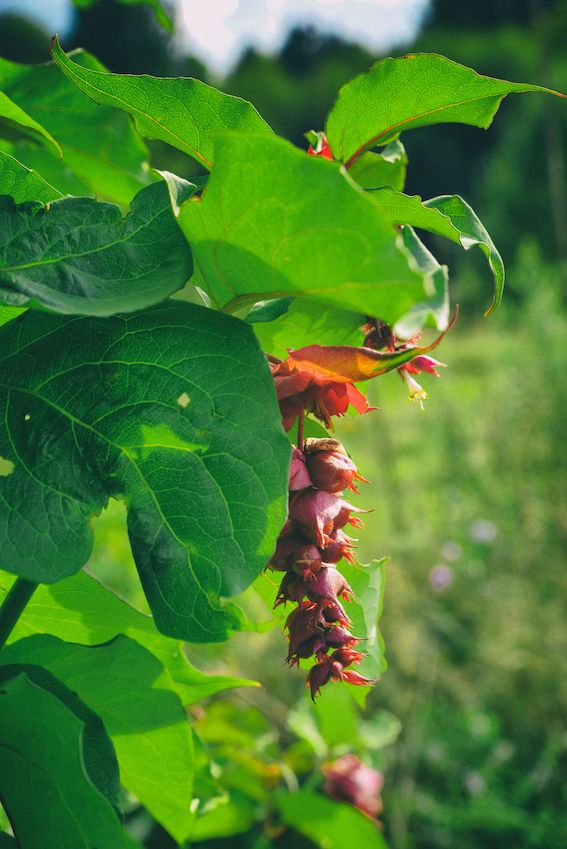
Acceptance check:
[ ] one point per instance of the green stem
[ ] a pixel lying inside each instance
(13, 606)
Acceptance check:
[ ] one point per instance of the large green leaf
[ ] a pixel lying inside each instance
(328, 824)
(23, 184)
(172, 410)
(78, 609)
(79, 255)
(449, 216)
(43, 747)
(367, 583)
(413, 91)
(181, 111)
(10, 111)
(145, 720)
(273, 221)
(99, 144)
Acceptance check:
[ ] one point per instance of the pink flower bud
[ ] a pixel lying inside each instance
(424, 363)
(356, 678)
(319, 513)
(338, 637)
(347, 656)
(330, 584)
(340, 546)
(298, 474)
(349, 780)
(306, 630)
(321, 673)
(329, 465)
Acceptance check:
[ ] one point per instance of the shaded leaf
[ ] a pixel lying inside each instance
(10, 111)
(42, 746)
(191, 439)
(449, 216)
(329, 824)
(23, 184)
(127, 687)
(273, 221)
(78, 609)
(387, 168)
(181, 111)
(414, 91)
(434, 312)
(101, 150)
(79, 255)
(307, 322)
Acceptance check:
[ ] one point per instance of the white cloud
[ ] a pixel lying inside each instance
(217, 30)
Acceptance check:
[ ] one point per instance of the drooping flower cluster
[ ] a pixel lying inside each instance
(310, 545)
(320, 380)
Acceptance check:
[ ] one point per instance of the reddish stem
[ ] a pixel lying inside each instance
(300, 437)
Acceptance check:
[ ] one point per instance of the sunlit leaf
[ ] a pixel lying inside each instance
(273, 222)
(414, 91)
(181, 111)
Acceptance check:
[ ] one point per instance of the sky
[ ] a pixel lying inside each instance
(217, 31)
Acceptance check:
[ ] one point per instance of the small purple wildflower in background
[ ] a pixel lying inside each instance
(441, 577)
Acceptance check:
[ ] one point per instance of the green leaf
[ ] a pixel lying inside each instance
(101, 149)
(309, 323)
(433, 312)
(273, 222)
(10, 111)
(99, 756)
(161, 14)
(266, 311)
(78, 609)
(172, 410)
(23, 184)
(472, 233)
(145, 719)
(449, 216)
(329, 824)
(9, 313)
(7, 842)
(387, 168)
(79, 255)
(43, 746)
(181, 111)
(367, 583)
(414, 91)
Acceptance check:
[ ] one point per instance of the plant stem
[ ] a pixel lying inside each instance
(300, 439)
(13, 605)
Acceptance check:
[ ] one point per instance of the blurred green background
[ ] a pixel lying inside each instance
(469, 496)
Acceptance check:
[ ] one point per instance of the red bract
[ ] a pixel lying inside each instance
(340, 546)
(306, 629)
(329, 465)
(347, 656)
(349, 780)
(320, 513)
(321, 673)
(423, 363)
(323, 149)
(328, 583)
